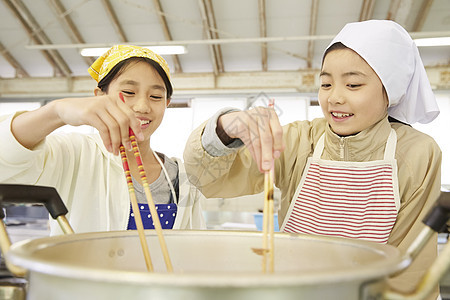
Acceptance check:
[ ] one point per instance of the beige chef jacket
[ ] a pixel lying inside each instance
(419, 171)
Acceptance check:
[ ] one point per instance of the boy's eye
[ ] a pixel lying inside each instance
(325, 85)
(128, 92)
(353, 85)
(156, 97)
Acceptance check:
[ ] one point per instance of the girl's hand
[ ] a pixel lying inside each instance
(107, 113)
(260, 131)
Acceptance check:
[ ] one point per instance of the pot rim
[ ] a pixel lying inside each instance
(19, 254)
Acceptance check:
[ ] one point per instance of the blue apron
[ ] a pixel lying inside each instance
(166, 212)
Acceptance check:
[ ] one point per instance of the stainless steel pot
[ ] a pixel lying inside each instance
(207, 265)
(210, 265)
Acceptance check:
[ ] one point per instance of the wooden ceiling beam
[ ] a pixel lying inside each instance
(214, 33)
(422, 16)
(20, 71)
(263, 32)
(399, 11)
(36, 34)
(167, 34)
(312, 32)
(207, 31)
(70, 27)
(114, 20)
(367, 10)
(191, 84)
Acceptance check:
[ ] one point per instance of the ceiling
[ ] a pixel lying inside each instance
(233, 45)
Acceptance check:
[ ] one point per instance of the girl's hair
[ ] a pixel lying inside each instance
(335, 46)
(120, 68)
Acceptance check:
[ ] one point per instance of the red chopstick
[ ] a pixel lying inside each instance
(148, 195)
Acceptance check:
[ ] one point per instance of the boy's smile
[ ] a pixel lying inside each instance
(351, 94)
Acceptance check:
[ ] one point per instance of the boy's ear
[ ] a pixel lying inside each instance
(167, 102)
(98, 91)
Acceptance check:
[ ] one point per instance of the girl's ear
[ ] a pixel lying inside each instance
(385, 96)
(98, 92)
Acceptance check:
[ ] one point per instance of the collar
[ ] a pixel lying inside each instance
(364, 146)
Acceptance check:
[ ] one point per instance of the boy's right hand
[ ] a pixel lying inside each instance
(259, 129)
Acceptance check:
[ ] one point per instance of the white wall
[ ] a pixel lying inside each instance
(439, 129)
(173, 132)
(178, 123)
(11, 107)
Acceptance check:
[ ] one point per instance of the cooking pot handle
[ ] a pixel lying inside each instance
(18, 194)
(438, 217)
(436, 221)
(21, 193)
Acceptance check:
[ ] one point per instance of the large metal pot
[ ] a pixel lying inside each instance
(207, 265)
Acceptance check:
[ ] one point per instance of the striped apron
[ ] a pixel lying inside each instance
(346, 199)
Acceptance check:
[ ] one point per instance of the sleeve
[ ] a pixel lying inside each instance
(210, 140)
(52, 162)
(420, 185)
(190, 214)
(230, 175)
(17, 163)
(236, 174)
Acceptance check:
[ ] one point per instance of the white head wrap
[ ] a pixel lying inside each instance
(389, 50)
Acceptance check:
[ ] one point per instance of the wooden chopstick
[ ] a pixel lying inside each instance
(268, 222)
(135, 208)
(151, 204)
(265, 246)
(271, 223)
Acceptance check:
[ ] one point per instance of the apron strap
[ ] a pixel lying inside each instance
(319, 147)
(391, 144)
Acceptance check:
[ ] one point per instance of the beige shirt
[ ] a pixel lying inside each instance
(419, 171)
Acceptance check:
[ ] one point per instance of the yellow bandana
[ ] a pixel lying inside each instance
(101, 67)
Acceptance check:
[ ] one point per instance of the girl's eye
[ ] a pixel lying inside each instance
(353, 86)
(156, 97)
(128, 93)
(325, 85)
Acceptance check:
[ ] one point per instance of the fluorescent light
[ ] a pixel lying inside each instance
(168, 50)
(161, 50)
(93, 51)
(429, 42)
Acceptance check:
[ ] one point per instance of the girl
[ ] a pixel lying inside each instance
(357, 172)
(86, 169)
